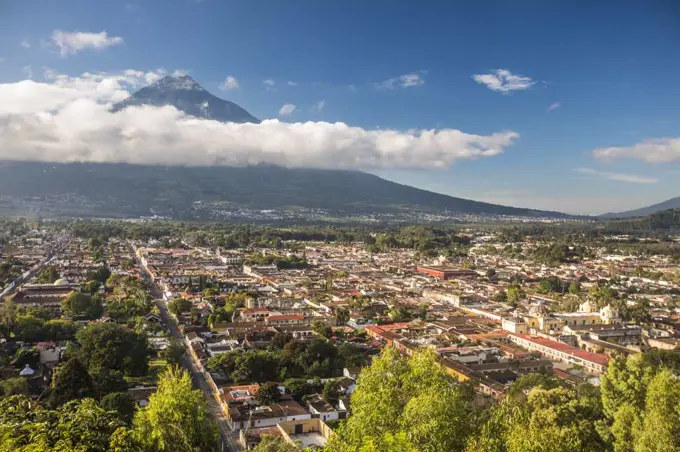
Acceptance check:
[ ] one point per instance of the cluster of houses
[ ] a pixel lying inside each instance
(390, 299)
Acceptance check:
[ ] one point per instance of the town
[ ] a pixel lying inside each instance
(275, 327)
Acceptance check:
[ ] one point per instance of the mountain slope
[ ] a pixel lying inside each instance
(673, 203)
(187, 95)
(89, 189)
(122, 189)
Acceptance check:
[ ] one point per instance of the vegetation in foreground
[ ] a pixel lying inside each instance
(176, 420)
(412, 404)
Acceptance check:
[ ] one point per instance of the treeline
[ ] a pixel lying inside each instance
(413, 404)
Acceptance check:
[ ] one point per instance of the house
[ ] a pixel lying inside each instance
(306, 434)
(49, 353)
(141, 394)
(322, 409)
(248, 416)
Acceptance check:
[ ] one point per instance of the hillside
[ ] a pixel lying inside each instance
(115, 190)
(673, 203)
(123, 190)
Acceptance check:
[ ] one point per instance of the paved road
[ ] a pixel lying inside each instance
(52, 253)
(199, 378)
(190, 365)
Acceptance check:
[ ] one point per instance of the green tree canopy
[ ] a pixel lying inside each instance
(107, 346)
(403, 398)
(79, 305)
(177, 417)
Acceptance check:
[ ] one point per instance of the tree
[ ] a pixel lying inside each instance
(106, 381)
(70, 381)
(321, 329)
(123, 440)
(299, 387)
(342, 316)
(101, 274)
(575, 288)
(24, 356)
(556, 417)
(275, 444)
(173, 353)
(177, 417)
(107, 346)
(79, 305)
(48, 275)
(515, 294)
(179, 306)
(29, 328)
(413, 399)
(121, 403)
(268, 393)
(659, 430)
(14, 386)
(398, 314)
(331, 392)
(500, 297)
(79, 425)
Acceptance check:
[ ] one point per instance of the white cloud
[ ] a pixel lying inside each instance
(658, 150)
(317, 107)
(230, 83)
(287, 110)
(25, 44)
(291, 83)
(68, 119)
(70, 43)
(269, 83)
(402, 81)
(28, 70)
(618, 176)
(554, 106)
(504, 81)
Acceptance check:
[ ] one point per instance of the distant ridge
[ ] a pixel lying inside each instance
(673, 203)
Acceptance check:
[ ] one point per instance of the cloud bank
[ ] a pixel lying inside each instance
(659, 150)
(68, 119)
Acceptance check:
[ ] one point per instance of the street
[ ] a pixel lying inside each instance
(198, 377)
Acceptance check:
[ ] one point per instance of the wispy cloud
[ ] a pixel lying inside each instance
(25, 44)
(317, 107)
(230, 83)
(658, 150)
(287, 110)
(70, 43)
(554, 106)
(28, 70)
(618, 176)
(292, 83)
(402, 81)
(269, 84)
(504, 81)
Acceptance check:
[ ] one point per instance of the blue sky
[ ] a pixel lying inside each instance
(609, 69)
